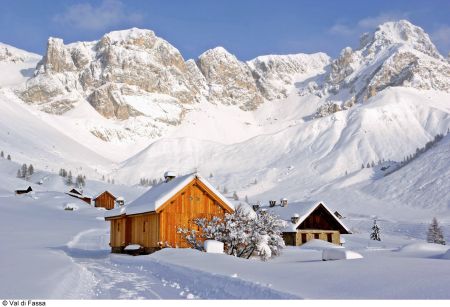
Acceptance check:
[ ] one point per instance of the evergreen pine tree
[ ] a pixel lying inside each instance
(375, 235)
(30, 170)
(368, 165)
(235, 196)
(246, 199)
(69, 180)
(24, 170)
(435, 233)
(2, 154)
(19, 174)
(9, 157)
(362, 166)
(372, 164)
(225, 190)
(211, 175)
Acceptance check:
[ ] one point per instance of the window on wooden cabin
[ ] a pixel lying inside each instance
(143, 226)
(316, 236)
(330, 237)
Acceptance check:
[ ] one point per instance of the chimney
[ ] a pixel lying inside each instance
(284, 202)
(272, 203)
(295, 218)
(169, 175)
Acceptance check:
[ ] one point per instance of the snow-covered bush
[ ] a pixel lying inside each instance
(243, 232)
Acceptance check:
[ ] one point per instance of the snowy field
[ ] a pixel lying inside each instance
(60, 254)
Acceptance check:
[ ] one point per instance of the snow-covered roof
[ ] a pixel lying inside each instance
(156, 196)
(96, 196)
(302, 210)
(120, 198)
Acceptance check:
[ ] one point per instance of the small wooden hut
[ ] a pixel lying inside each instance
(309, 220)
(24, 191)
(105, 200)
(152, 220)
(79, 194)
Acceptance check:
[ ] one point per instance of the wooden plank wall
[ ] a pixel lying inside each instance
(143, 230)
(191, 202)
(117, 235)
(319, 234)
(106, 201)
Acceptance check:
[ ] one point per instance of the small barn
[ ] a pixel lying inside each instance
(307, 221)
(23, 191)
(152, 220)
(105, 200)
(79, 194)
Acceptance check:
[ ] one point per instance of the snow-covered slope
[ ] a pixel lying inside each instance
(16, 65)
(129, 106)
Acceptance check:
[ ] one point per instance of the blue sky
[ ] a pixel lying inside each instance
(246, 28)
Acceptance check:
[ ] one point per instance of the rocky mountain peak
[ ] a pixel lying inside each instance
(395, 54)
(402, 33)
(230, 81)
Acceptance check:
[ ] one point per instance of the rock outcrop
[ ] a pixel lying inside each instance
(229, 80)
(136, 62)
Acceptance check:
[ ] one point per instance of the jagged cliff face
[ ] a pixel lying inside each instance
(104, 72)
(396, 54)
(229, 80)
(133, 73)
(275, 74)
(137, 63)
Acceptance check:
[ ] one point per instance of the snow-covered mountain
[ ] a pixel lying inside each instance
(130, 106)
(396, 54)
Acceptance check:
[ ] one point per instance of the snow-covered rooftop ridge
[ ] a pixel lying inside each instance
(301, 210)
(102, 192)
(156, 196)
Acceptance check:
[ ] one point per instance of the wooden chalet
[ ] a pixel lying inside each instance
(152, 220)
(25, 191)
(307, 221)
(105, 200)
(79, 194)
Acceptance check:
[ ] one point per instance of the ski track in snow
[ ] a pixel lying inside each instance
(107, 276)
(116, 281)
